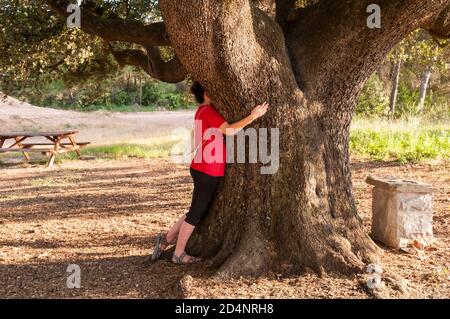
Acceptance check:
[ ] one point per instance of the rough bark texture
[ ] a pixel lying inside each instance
(440, 26)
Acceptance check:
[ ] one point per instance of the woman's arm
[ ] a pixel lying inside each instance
(231, 129)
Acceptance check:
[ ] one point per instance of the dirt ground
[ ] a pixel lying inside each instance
(102, 214)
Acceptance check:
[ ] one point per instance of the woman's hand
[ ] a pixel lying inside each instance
(259, 111)
(231, 129)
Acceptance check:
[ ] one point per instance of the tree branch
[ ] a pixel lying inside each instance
(334, 52)
(285, 11)
(439, 27)
(331, 44)
(267, 6)
(149, 36)
(131, 31)
(228, 46)
(170, 72)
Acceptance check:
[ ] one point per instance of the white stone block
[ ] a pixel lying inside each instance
(401, 211)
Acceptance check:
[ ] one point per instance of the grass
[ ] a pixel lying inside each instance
(118, 151)
(402, 141)
(158, 147)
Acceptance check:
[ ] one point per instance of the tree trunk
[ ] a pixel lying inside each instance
(311, 75)
(394, 91)
(140, 90)
(303, 215)
(423, 88)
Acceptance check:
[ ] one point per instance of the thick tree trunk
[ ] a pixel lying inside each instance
(423, 88)
(394, 91)
(304, 214)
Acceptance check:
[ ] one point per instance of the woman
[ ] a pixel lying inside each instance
(205, 173)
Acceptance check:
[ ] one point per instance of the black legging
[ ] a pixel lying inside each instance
(205, 187)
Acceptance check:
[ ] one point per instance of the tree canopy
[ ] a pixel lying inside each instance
(36, 45)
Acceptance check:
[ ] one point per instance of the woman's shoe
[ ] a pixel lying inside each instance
(160, 246)
(179, 259)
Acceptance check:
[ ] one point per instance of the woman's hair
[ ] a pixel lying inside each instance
(198, 91)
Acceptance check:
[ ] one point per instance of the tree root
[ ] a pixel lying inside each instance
(251, 259)
(183, 287)
(389, 287)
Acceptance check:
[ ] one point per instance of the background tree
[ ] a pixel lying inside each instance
(419, 53)
(395, 81)
(309, 60)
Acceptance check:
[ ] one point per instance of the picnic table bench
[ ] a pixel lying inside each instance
(52, 146)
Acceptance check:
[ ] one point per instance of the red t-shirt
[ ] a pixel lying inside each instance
(211, 156)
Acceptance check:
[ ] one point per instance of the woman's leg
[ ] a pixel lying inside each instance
(164, 240)
(183, 237)
(173, 232)
(205, 187)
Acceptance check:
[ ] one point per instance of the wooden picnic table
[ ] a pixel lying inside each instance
(53, 144)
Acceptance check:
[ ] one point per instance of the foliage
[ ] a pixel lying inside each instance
(120, 91)
(437, 107)
(420, 50)
(417, 52)
(36, 48)
(403, 141)
(46, 64)
(407, 101)
(373, 100)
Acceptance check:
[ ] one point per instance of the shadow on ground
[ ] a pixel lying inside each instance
(102, 216)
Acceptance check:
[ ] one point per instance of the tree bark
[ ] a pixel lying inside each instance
(305, 213)
(394, 91)
(439, 27)
(423, 88)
